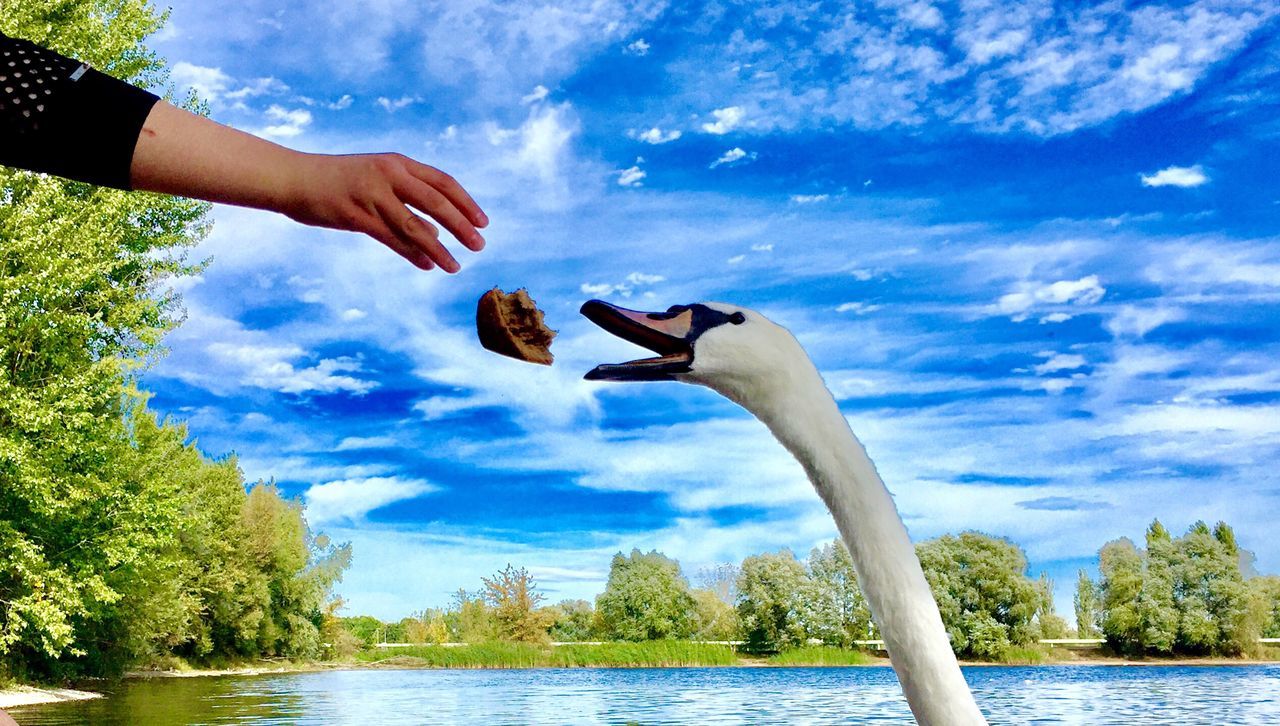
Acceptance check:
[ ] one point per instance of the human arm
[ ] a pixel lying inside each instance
(60, 117)
(181, 153)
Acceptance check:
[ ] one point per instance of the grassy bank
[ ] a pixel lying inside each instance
(820, 655)
(649, 654)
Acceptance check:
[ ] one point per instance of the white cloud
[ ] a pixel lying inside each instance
(392, 105)
(351, 315)
(539, 93)
(208, 83)
(356, 443)
(859, 308)
(736, 259)
(809, 198)
(342, 103)
(640, 278)
(1185, 177)
(290, 122)
(655, 135)
(1029, 295)
(1059, 362)
(732, 156)
(625, 289)
(631, 177)
(1134, 321)
(639, 47)
(1035, 67)
(1205, 266)
(727, 119)
(762, 247)
(266, 366)
(349, 500)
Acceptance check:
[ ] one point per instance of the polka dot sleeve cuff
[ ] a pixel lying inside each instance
(58, 116)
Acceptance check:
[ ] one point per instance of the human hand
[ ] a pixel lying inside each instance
(376, 194)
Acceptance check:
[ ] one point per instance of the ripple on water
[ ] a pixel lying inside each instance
(1022, 695)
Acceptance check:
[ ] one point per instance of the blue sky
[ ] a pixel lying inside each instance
(1031, 245)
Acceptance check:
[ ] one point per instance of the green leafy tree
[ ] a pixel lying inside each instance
(471, 620)
(986, 600)
(1087, 612)
(833, 607)
(366, 628)
(82, 535)
(771, 590)
(1266, 594)
(646, 598)
(1122, 569)
(714, 619)
(573, 619)
(514, 597)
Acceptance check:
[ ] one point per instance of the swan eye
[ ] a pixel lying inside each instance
(737, 318)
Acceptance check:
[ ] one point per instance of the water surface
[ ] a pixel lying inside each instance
(1021, 695)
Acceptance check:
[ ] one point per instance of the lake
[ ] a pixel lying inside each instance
(1015, 695)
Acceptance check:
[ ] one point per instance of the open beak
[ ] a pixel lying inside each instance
(666, 334)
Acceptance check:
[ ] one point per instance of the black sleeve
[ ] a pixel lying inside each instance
(59, 116)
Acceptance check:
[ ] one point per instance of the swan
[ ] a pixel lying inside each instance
(759, 365)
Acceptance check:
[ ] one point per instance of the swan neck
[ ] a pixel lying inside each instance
(805, 418)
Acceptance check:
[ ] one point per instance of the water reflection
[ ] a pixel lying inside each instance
(1051, 694)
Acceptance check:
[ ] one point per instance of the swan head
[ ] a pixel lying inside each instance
(735, 351)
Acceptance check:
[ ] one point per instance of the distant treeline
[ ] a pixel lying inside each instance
(1195, 595)
(120, 544)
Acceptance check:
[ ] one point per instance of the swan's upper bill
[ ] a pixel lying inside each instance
(671, 335)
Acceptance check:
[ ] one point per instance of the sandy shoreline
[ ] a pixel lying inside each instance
(27, 695)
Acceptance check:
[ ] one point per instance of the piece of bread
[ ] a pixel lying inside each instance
(512, 325)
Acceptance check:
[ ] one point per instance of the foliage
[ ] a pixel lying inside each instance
(820, 655)
(514, 597)
(573, 619)
(1266, 594)
(471, 620)
(986, 599)
(654, 653)
(1183, 596)
(771, 588)
(646, 598)
(834, 609)
(1088, 614)
(714, 619)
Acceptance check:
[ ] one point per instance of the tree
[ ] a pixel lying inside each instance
(646, 598)
(1187, 595)
(573, 620)
(770, 592)
(714, 619)
(722, 579)
(514, 597)
(471, 620)
(1266, 594)
(986, 600)
(1087, 613)
(833, 608)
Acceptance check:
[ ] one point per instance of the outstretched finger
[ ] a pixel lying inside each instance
(429, 200)
(416, 232)
(450, 188)
(381, 232)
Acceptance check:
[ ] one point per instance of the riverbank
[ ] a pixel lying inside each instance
(27, 695)
(654, 654)
(658, 654)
